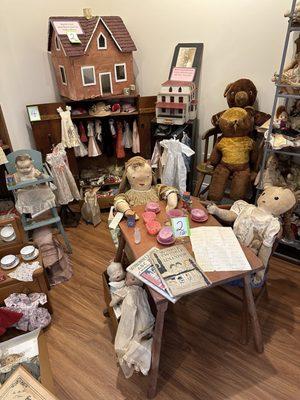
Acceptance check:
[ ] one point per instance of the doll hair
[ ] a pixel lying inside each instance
(22, 157)
(134, 162)
(280, 110)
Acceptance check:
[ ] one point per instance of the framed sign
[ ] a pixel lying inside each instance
(187, 55)
(181, 226)
(33, 113)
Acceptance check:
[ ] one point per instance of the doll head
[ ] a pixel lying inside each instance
(115, 272)
(236, 122)
(282, 114)
(138, 174)
(24, 166)
(276, 200)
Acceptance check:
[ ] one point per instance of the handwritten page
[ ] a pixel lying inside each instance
(217, 249)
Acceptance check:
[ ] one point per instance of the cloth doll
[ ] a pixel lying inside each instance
(242, 93)
(258, 226)
(69, 136)
(93, 148)
(133, 340)
(232, 154)
(138, 175)
(282, 118)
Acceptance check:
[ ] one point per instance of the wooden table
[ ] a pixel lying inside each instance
(39, 284)
(133, 251)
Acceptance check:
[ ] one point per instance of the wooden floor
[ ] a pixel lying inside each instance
(201, 355)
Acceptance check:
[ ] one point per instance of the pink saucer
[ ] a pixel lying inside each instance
(165, 236)
(198, 215)
(148, 216)
(175, 213)
(152, 206)
(153, 227)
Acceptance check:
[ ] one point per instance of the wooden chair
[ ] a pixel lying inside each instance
(28, 222)
(202, 168)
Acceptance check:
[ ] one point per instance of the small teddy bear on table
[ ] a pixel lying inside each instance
(258, 226)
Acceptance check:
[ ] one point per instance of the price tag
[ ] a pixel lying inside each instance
(73, 37)
(181, 226)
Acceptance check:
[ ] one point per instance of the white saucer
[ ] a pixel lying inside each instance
(13, 265)
(33, 257)
(9, 239)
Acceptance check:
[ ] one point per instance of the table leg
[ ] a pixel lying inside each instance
(253, 315)
(44, 288)
(121, 247)
(156, 347)
(244, 320)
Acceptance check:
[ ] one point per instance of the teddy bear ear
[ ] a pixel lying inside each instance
(250, 110)
(228, 87)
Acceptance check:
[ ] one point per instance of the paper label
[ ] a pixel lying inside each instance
(183, 74)
(63, 27)
(116, 220)
(181, 226)
(73, 38)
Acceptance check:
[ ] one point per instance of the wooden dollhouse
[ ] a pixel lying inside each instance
(92, 56)
(176, 102)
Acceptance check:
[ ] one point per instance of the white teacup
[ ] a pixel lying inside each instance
(8, 261)
(27, 252)
(7, 233)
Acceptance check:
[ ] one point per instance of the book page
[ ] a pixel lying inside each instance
(217, 249)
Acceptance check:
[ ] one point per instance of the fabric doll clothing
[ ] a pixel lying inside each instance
(98, 129)
(132, 342)
(83, 136)
(174, 173)
(135, 138)
(188, 142)
(138, 197)
(127, 136)
(67, 189)
(81, 150)
(24, 272)
(93, 148)
(35, 200)
(3, 159)
(156, 160)
(33, 316)
(8, 318)
(119, 145)
(69, 136)
(253, 226)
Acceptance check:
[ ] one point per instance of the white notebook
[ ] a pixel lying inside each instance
(217, 249)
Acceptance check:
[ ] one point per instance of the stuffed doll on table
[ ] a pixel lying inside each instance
(258, 226)
(138, 188)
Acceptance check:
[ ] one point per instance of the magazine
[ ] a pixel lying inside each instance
(179, 270)
(144, 270)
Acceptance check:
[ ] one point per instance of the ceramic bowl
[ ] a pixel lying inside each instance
(199, 215)
(8, 261)
(7, 233)
(165, 236)
(175, 213)
(152, 206)
(27, 252)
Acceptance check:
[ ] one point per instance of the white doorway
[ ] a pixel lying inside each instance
(105, 83)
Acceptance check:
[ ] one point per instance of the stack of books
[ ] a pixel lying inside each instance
(172, 272)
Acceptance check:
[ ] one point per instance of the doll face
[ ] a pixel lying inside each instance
(283, 116)
(140, 177)
(276, 200)
(24, 167)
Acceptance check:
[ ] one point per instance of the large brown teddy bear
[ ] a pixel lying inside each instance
(232, 154)
(242, 93)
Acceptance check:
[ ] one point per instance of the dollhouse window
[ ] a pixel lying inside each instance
(163, 98)
(88, 76)
(180, 89)
(180, 99)
(170, 89)
(101, 41)
(57, 46)
(120, 72)
(63, 75)
(172, 99)
(180, 111)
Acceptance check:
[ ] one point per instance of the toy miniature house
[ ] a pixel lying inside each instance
(92, 57)
(176, 102)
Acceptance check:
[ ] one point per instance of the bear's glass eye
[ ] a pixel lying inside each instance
(250, 92)
(232, 93)
(263, 194)
(276, 198)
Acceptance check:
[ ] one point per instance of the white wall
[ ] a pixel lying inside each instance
(242, 38)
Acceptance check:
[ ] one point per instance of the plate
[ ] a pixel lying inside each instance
(13, 265)
(36, 253)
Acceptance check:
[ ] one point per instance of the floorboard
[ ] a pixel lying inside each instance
(201, 354)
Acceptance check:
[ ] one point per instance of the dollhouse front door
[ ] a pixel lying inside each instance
(105, 83)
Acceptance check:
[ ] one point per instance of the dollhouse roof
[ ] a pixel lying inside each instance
(114, 25)
(178, 106)
(178, 83)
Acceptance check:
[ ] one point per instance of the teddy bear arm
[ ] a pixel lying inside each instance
(215, 118)
(215, 156)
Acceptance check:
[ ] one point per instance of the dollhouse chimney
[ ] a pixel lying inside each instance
(87, 12)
